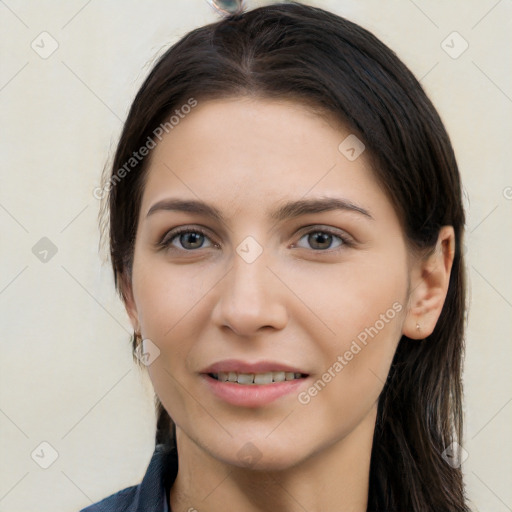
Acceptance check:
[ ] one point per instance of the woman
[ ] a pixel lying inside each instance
(286, 228)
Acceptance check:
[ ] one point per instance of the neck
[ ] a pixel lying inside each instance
(334, 479)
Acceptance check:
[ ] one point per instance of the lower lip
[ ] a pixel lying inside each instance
(251, 395)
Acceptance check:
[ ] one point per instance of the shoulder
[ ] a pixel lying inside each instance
(121, 501)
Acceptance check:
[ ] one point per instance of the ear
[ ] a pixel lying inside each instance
(430, 278)
(129, 301)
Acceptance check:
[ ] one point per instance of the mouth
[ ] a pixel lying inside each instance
(252, 384)
(258, 379)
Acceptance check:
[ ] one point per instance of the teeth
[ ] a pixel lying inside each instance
(245, 378)
(278, 376)
(256, 378)
(260, 378)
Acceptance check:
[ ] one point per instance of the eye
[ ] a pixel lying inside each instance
(321, 239)
(188, 239)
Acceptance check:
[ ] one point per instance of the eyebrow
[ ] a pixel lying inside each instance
(289, 210)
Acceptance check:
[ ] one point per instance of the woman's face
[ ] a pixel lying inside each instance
(277, 288)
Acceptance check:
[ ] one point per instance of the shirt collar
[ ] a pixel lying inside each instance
(153, 491)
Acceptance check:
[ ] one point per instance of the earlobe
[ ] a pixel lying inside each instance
(430, 278)
(129, 301)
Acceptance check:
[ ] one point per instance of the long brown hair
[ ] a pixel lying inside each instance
(322, 60)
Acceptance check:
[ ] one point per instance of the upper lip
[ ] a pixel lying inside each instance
(235, 365)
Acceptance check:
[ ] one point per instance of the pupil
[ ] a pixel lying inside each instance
(324, 238)
(191, 236)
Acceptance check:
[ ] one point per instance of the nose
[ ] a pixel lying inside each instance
(251, 298)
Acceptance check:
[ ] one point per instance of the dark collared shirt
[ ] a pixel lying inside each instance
(151, 495)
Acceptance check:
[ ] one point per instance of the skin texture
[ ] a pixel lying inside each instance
(297, 303)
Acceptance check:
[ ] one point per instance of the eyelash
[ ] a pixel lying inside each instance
(165, 243)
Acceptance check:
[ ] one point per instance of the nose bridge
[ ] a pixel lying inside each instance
(249, 272)
(250, 294)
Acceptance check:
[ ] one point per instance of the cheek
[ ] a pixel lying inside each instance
(166, 295)
(170, 311)
(172, 303)
(345, 299)
(364, 307)
(355, 371)
(370, 326)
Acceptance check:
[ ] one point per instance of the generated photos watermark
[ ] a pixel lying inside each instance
(305, 397)
(139, 155)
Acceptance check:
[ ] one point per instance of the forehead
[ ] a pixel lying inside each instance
(248, 152)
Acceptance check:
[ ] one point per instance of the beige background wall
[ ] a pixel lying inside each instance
(67, 377)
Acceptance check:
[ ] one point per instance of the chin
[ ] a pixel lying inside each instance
(249, 456)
